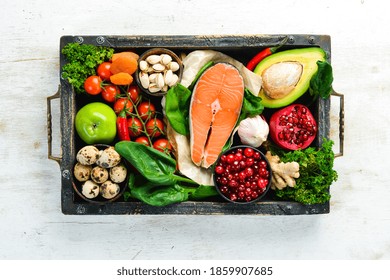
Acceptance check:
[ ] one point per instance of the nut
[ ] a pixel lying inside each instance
(153, 59)
(144, 79)
(143, 65)
(165, 59)
(158, 67)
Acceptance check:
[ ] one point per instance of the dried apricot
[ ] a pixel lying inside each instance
(121, 79)
(131, 54)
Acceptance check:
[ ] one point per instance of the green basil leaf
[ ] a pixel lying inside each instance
(321, 82)
(177, 105)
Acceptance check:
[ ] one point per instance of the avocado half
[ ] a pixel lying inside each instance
(301, 61)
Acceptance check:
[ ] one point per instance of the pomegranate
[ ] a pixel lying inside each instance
(293, 127)
(242, 174)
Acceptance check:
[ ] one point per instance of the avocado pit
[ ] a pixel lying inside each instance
(281, 78)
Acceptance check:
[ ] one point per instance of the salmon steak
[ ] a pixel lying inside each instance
(214, 110)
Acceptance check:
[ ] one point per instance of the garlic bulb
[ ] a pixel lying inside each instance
(253, 131)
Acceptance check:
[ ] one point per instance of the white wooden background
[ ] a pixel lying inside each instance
(31, 223)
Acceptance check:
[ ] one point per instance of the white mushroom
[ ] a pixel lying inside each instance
(108, 158)
(109, 189)
(118, 173)
(90, 189)
(82, 172)
(87, 155)
(99, 174)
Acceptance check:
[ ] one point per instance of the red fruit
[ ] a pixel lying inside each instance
(293, 127)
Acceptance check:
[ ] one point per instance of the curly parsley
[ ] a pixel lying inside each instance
(82, 62)
(316, 174)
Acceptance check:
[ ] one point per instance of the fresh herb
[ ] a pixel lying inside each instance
(177, 107)
(251, 106)
(82, 60)
(316, 174)
(156, 182)
(321, 82)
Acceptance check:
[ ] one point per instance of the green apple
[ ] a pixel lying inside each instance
(96, 123)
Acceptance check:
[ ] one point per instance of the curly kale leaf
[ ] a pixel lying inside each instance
(316, 174)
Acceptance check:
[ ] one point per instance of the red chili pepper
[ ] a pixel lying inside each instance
(122, 127)
(263, 54)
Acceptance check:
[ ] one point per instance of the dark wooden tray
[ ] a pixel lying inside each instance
(240, 47)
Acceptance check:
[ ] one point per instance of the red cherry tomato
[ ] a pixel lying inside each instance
(135, 126)
(123, 104)
(103, 71)
(154, 127)
(110, 93)
(92, 85)
(143, 140)
(133, 93)
(162, 145)
(146, 110)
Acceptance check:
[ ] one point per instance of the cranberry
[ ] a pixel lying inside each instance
(230, 158)
(248, 152)
(219, 169)
(238, 156)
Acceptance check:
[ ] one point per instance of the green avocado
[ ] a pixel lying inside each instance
(286, 75)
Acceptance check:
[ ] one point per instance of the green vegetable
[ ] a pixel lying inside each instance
(177, 107)
(321, 82)
(156, 183)
(251, 106)
(316, 174)
(82, 62)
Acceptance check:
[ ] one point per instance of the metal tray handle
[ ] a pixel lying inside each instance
(341, 124)
(49, 127)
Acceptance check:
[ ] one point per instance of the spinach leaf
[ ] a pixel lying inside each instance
(177, 107)
(251, 106)
(156, 195)
(154, 165)
(321, 82)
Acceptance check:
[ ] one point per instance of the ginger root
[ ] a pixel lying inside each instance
(283, 173)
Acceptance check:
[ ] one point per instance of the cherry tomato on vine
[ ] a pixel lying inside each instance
(123, 104)
(162, 145)
(135, 126)
(154, 127)
(143, 140)
(133, 93)
(103, 71)
(92, 85)
(146, 110)
(110, 93)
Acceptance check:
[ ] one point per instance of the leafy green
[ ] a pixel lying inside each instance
(157, 195)
(316, 174)
(251, 106)
(321, 82)
(82, 60)
(177, 107)
(156, 182)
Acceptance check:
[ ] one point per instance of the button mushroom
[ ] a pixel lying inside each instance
(99, 174)
(108, 158)
(109, 189)
(90, 189)
(87, 155)
(82, 172)
(118, 173)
